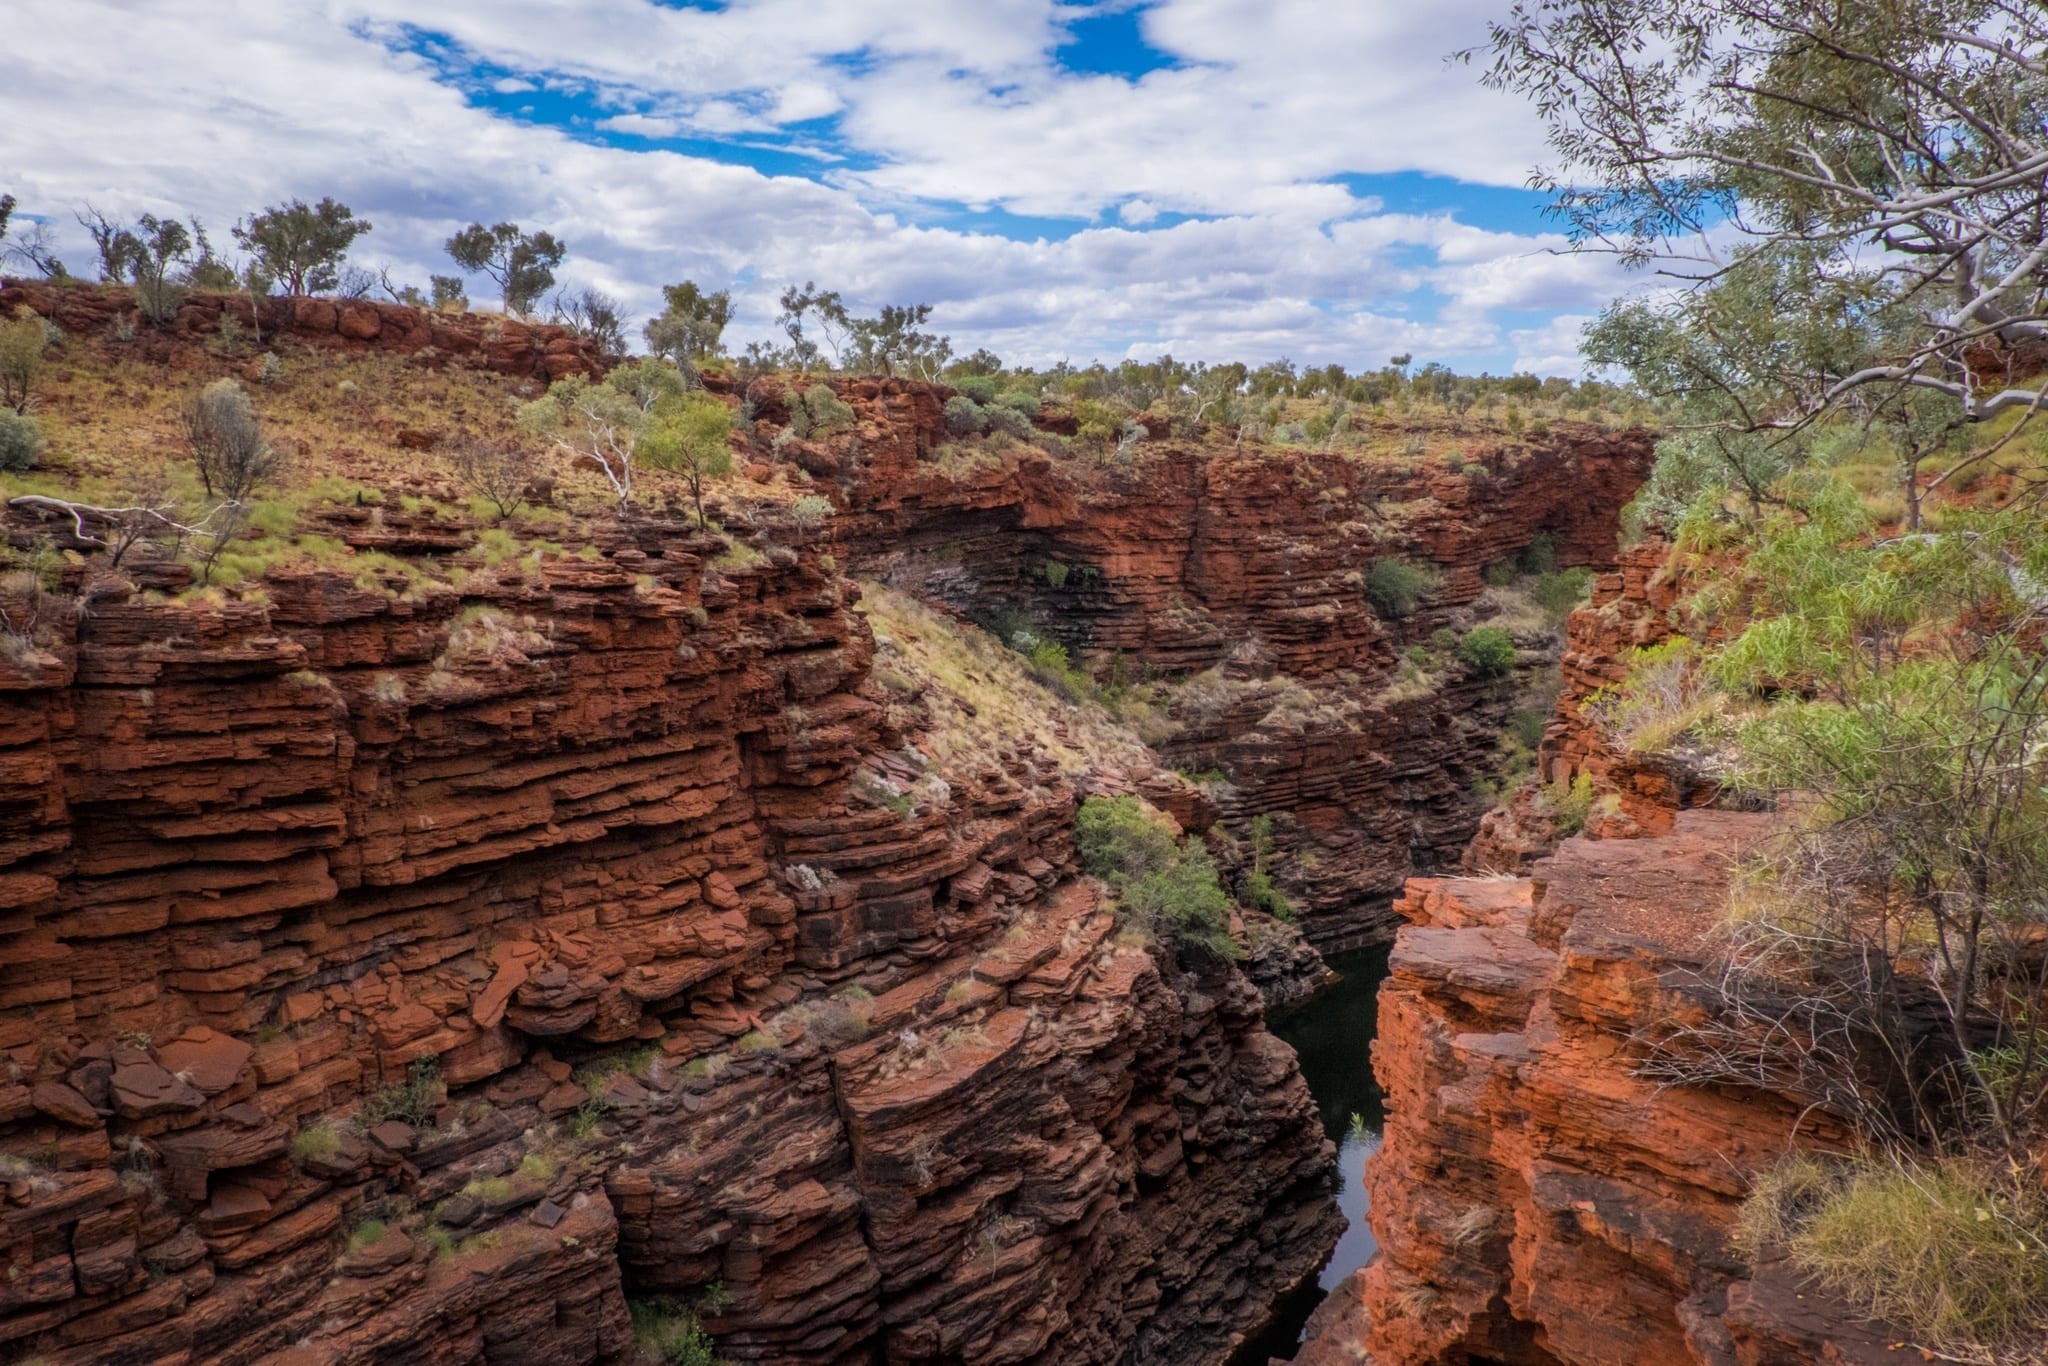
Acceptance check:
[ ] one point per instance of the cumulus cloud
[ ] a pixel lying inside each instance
(1197, 207)
(1552, 349)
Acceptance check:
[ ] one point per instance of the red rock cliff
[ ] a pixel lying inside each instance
(399, 975)
(1536, 1201)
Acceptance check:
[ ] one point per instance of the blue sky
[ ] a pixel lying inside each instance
(1059, 178)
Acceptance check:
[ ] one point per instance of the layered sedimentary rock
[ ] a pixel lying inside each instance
(1636, 606)
(1247, 570)
(1536, 1200)
(399, 973)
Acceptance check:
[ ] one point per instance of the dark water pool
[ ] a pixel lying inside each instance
(1333, 1034)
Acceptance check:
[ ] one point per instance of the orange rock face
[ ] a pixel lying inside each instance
(1535, 1200)
(416, 977)
(1632, 608)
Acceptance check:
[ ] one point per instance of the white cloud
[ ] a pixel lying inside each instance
(214, 108)
(1552, 349)
(640, 125)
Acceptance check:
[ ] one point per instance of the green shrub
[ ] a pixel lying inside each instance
(811, 510)
(1055, 574)
(1168, 885)
(1008, 421)
(1049, 665)
(1025, 405)
(964, 417)
(1539, 556)
(1557, 594)
(668, 1331)
(368, 1233)
(1394, 586)
(316, 1142)
(980, 388)
(21, 441)
(1953, 1254)
(1489, 650)
(1570, 801)
(1259, 891)
(412, 1100)
(825, 412)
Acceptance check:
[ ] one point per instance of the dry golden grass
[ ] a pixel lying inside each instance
(979, 695)
(113, 419)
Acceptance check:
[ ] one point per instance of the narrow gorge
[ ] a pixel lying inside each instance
(460, 938)
(421, 954)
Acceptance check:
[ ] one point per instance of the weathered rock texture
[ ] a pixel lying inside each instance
(1638, 605)
(524, 922)
(1535, 1200)
(1244, 571)
(487, 341)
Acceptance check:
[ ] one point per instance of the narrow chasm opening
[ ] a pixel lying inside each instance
(1333, 1032)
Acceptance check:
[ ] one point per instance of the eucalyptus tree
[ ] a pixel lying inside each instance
(1883, 166)
(521, 263)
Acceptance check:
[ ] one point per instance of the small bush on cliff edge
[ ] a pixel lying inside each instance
(1168, 885)
(666, 1330)
(1393, 587)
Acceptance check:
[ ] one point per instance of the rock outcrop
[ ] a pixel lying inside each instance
(1536, 1200)
(398, 971)
(488, 341)
(1638, 605)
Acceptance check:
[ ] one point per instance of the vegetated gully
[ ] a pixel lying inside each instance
(1333, 1032)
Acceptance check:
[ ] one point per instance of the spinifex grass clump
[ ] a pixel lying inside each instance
(1954, 1253)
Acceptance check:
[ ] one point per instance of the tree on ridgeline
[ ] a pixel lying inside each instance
(301, 246)
(521, 263)
(689, 328)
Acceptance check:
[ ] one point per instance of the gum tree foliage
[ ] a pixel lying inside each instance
(1850, 205)
(31, 245)
(1851, 200)
(22, 340)
(605, 421)
(209, 271)
(892, 343)
(109, 240)
(522, 264)
(690, 436)
(153, 251)
(825, 309)
(1889, 968)
(301, 246)
(690, 326)
(449, 293)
